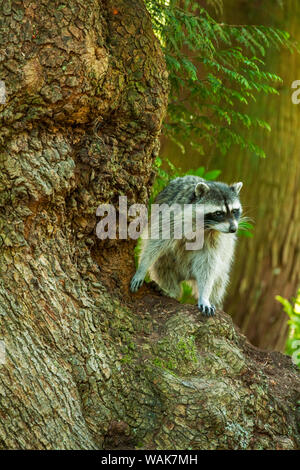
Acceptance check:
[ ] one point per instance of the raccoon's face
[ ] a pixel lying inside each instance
(222, 207)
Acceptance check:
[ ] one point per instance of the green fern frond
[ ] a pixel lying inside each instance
(215, 69)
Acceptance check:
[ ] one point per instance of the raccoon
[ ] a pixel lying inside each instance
(206, 269)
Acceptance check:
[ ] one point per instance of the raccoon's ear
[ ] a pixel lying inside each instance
(201, 189)
(236, 187)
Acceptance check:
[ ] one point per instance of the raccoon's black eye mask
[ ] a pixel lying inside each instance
(236, 213)
(221, 216)
(218, 216)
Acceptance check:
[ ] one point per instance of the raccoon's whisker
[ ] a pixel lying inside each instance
(245, 213)
(245, 219)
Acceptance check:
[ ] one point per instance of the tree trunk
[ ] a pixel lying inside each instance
(88, 366)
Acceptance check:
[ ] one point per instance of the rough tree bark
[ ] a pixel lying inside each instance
(87, 365)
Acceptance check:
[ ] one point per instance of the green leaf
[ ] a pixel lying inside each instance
(212, 175)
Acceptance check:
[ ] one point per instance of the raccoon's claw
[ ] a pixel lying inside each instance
(206, 308)
(136, 283)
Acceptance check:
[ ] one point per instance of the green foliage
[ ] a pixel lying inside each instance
(187, 294)
(215, 70)
(245, 228)
(293, 341)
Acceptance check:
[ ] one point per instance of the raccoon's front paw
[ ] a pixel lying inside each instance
(136, 282)
(206, 308)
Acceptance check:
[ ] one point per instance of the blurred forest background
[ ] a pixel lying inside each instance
(235, 100)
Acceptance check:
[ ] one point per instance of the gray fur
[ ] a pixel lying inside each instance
(207, 270)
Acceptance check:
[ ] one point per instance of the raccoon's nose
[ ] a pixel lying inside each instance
(232, 228)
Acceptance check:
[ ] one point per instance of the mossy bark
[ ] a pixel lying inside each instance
(88, 366)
